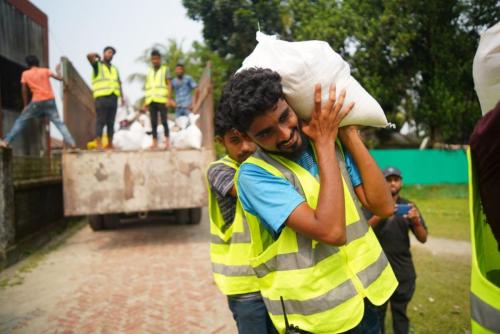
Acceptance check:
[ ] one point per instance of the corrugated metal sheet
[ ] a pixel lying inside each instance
(78, 105)
(20, 35)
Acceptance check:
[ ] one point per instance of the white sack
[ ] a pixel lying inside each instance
(304, 64)
(486, 69)
(188, 138)
(182, 122)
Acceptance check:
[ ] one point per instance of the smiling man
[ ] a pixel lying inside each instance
(300, 192)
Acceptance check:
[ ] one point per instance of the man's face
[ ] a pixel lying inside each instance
(156, 61)
(238, 146)
(277, 130)
(395, 183)
(179, 71)
(108, 55)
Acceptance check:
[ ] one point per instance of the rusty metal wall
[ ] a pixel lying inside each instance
(205, 107)
(78, 105)
(97, 182)
(23, 31)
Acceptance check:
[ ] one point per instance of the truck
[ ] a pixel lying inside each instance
(107, 185)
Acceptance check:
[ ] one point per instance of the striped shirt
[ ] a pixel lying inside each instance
(221, 180)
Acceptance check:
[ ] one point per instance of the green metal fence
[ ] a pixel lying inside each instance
(425, 166)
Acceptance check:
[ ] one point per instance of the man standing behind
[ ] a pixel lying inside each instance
(158, 89)
(393, 236)
(107, 87)
(36, 79)
(184, 86)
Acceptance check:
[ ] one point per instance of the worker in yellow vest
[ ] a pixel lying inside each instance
(316, 259)
(107, 88)
(230, 236)
(157, 89)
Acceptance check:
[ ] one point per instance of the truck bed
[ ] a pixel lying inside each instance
(100, 182)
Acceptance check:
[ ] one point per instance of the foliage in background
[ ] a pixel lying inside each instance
(415, 57)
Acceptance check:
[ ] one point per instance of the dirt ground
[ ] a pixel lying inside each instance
(145, 277)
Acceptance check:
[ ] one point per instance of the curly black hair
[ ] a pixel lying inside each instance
(253, 92)
(223, 119)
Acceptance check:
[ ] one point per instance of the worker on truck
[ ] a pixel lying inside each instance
(107, 88)
(230, 236)
(158, 90)
(36, 80)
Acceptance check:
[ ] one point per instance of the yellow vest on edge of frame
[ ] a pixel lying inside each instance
(485, 268)
(156, 89)
(106, 82)
(322, 286)
(230, 250)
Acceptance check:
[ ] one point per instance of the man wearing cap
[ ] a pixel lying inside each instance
(106, 87)
(393, 235)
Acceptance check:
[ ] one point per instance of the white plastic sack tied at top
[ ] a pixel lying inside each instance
(486, 69)
(302, 65)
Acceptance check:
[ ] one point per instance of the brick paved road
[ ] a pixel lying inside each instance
(142, 278)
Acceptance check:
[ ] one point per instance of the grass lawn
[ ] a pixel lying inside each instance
(441, 300)
(445, 209)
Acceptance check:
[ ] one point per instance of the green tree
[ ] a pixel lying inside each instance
(415, 57)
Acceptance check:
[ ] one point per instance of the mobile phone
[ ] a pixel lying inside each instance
(402, 209)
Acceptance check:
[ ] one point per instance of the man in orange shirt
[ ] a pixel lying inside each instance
(36, 79)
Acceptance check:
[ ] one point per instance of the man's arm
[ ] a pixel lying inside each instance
(417, 224)
(25, 93)
(327, 222)
(373, 193)
(93, 58)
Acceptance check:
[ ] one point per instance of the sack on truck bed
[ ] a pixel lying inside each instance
(304, 64)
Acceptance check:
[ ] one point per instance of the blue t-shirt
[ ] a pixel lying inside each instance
(183, 88)
(271, 198)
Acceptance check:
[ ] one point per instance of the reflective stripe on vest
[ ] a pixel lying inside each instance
(156, 89)
(485, 291)
(106, 82)
(230, 249)
(323, 286)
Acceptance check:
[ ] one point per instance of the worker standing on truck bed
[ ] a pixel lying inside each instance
(106, 86)
(184, 86)
(230, 236)
(157, 90)
(36, 80)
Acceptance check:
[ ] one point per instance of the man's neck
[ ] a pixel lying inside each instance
(395, 197)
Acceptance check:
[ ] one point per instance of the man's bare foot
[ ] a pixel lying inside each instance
(154, 145)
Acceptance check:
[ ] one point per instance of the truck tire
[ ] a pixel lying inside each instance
(111, 221)
(182, 216)
(194, 216)
(96, 222)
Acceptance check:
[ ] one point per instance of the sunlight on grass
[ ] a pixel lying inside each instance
(445, 209)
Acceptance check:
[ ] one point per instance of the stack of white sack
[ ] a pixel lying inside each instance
(183, 134)
(486, 69)
(189, 136)
(302, 65)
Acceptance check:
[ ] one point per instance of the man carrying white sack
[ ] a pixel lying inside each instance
(311, 244)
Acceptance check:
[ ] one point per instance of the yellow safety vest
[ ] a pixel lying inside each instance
(155, 88)
(323, 286)
(230, 249)
(106, 82)
(485, 275)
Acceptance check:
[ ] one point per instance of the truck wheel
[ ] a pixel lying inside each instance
(194, 216)
(182, 216)
(111, 221)
(96, 222)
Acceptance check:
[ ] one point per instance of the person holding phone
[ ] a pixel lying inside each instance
(393, 234)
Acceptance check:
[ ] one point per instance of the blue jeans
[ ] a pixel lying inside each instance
(40, 109)
(181, 111)
(251, 316)
(369, 323)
